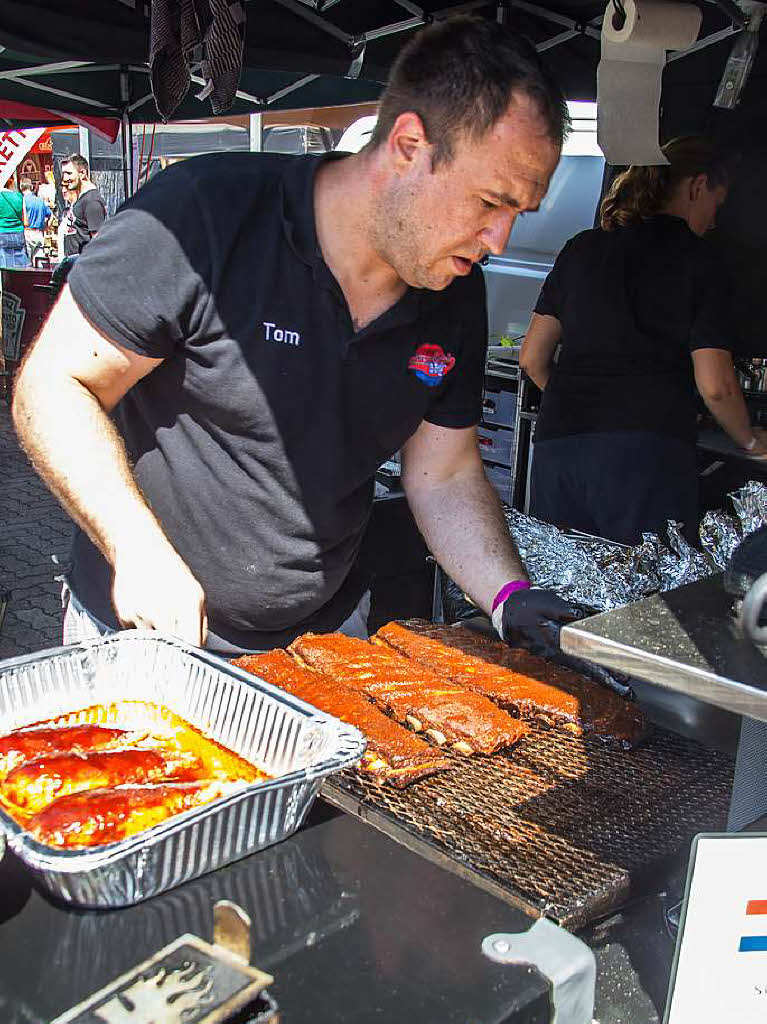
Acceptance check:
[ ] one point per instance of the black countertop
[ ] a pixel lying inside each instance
(353, 927)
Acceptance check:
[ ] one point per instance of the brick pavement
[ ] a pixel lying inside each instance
(33, 528)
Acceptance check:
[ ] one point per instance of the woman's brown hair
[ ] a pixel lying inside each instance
(640, 192)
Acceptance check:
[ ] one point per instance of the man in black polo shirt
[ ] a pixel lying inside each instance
(263, 354)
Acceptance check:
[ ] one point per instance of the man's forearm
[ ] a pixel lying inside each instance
(462, 523)
(76, 450)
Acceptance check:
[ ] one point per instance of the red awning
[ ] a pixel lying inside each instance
(106, 127)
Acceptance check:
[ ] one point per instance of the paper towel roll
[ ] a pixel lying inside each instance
(630, 72)
(658, 24)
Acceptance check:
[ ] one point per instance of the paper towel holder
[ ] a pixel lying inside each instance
(619, 15)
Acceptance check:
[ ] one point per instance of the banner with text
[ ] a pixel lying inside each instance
(14, 146)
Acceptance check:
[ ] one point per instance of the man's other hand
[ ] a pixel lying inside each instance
(533, 619)
(154, 589)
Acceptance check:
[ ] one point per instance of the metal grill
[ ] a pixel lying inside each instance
(559, 825)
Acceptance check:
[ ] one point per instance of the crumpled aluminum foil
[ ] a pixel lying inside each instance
(721, 533)
(603, 575)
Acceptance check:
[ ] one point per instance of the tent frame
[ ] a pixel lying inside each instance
(312, 11)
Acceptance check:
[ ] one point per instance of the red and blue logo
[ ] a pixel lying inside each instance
(754, 943)
(430, 364)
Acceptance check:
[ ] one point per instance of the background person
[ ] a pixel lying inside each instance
(46, 190)
(13, 249)
(36, 216)
(88, 210)
(640, 308)
(67, 198)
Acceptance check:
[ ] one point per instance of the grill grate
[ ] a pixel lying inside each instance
(559, 825)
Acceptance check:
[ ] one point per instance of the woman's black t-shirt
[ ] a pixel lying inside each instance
(633, 304)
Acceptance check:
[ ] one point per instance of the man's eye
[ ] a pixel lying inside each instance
(488, 205)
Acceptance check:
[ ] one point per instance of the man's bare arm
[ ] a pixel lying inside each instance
(72, 378)
(458, 512)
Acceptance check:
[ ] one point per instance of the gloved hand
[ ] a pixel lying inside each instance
(534, 618)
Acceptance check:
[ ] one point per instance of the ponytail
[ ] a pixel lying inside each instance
(635, 195)
(640, 192)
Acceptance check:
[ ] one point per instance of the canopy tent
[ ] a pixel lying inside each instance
(89, 89)
(90, 57)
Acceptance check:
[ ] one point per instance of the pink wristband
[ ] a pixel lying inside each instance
(509, 588)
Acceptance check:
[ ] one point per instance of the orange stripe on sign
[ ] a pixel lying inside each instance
(756, 907)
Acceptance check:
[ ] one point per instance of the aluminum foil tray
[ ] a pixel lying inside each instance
(290, 740)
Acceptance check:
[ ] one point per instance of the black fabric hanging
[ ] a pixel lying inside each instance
(206, 37)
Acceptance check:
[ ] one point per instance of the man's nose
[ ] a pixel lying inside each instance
(495, 234)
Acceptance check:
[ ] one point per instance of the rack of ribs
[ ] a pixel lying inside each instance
(108, 815)
(411, 693)
(28, 744)
(393, 755)
(521, 682)
(30, 787)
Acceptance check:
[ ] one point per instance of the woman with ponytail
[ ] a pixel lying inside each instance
(639, 308)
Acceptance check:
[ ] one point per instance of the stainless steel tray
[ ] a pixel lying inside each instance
(281, 734)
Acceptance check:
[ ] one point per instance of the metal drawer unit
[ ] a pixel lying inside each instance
(500, 478)
(496, 434)
(499, 406)
(496, 444)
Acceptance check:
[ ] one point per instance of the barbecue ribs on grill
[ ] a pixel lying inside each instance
(517, 680)
(413, 694)
(393, 755)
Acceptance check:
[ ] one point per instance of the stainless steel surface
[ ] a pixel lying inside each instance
(685, 640)
(291, 741)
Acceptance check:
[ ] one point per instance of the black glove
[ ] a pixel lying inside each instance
(534, 618)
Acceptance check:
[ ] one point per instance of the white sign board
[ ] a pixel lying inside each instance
(14, 146)
(720, 973)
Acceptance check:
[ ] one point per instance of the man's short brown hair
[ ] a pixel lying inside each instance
(78, 162)
(458, 76)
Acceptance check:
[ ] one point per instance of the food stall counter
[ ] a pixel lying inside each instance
(352, 926)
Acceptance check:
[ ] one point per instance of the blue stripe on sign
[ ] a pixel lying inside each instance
(753, 944)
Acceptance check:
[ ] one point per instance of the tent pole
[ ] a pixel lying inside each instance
(127, 145)
(126, 133)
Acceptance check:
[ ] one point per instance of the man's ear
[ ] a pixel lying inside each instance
(697, 184)
(407, 140)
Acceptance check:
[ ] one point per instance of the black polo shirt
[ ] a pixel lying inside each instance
(256, 440)
(633, 304)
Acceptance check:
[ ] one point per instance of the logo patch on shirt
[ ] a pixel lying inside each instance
(430, 364)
